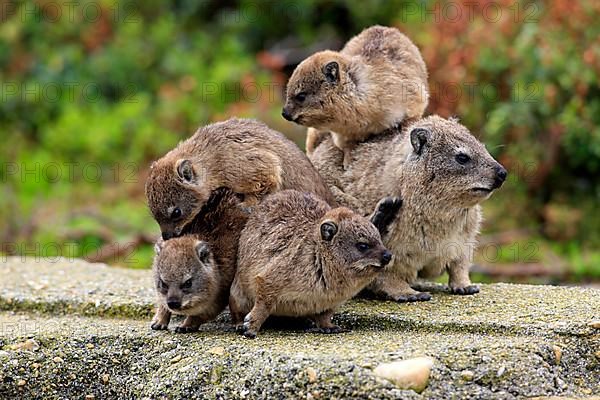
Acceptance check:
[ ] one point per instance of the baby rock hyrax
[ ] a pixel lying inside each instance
(377, 81)
(193, 273)
(243, 155)
(443, 173)
(299, 257)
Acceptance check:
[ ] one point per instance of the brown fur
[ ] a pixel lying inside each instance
(241, 154)
(207, 255)
(377, 81)
(436, 228)
(299, 257)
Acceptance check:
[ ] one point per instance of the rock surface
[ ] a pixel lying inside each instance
(69, 329)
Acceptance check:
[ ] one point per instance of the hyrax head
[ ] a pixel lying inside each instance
(176, 191)
(316, 90)
(451, 163)
(352, 241)
(184, 272)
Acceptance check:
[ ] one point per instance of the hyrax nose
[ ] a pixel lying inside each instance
(167, 235)
(174, 304)
(285, 114)
(386, 258)
(501, 175)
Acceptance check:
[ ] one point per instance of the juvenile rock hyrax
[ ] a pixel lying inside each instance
(241, 154)
(377, 81)
(193, 273)
(300, 257)
(442, 173)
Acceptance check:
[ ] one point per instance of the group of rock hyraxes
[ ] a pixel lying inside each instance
(385, 196)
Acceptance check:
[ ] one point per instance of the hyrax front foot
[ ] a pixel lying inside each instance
(467, 290)
(157, 326)
(161, 319)
(254, 320)
(410, 298)
(186, 329)
(248, 331)
(385, 213)
(324, 324)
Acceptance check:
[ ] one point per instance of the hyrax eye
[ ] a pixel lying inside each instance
(300, 97)
(187, 284)
(176, 213)
(462, 158)
(162, 284)
(362, 247)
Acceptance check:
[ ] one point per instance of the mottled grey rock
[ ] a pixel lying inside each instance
(89, 335)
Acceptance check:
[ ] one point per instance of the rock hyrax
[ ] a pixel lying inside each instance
(193, 273)
(300, 257)
(442, 173)
(241, 154)
(377, 81)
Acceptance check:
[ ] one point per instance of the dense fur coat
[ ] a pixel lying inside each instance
(193, 273)
(240, 154)
(300, 257)
(442, 173)
(377, 81)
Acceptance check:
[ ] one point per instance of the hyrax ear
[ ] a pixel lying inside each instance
(328, 230)
(202, 251)
(331, 70)
(419, 138)
(185, 170)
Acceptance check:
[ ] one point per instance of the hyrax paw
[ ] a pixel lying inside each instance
(389, 205)
(157, 326)
(467, 290)
(186, 329)
(250, 334)
(385, 213)
(411, 298)
(328, 330)
(246, 330)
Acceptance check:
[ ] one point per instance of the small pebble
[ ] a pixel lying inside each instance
(29, 344)
(176, 359)
(501, 371)
(89, 346)
(219, 351)
(312, 374)
(57, 359)
(126, 351)
(410, 374)
(21, 382)
(557, 353)
(595, 324)
(105, 378)
(89, 397)
(467, 375)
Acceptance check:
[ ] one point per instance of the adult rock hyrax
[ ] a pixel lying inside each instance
(442, 174)
(241, 154)
(377, 81)
(193, 273)
(300, 257)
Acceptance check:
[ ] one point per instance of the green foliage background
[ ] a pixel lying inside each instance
(92, 93)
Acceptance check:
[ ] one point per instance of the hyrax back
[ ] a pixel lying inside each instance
(377, 81)
(193, 273)
(442, 174)
(299, 257)
(243, 155)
